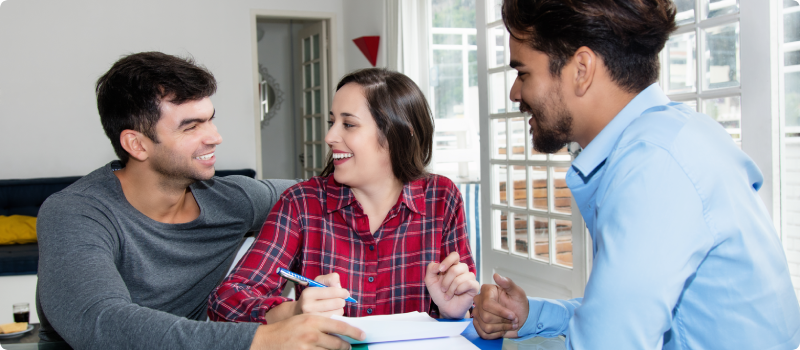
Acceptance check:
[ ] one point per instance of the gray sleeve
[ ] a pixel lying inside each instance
(263, 194)
(85, 299)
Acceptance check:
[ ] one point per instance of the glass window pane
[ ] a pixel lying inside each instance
(309, 129)
(562, 196)
(497, 44)
(307, 76)
(308, 103)
(317, 128)
(716, 8)
(685, 13)
(453, 13)
(494, 11)
(562, 154)
(681, 67)
(306, 49)
(539, 187)
(447, 39)
(497, 93)
(518, 136)
(541, 239)
(727, 111)
(472, 40)
(520, 234)
(511, 76)
(499, 150)
(563, 242)
(721, 56)
(499, 180)
(316, 74)
(792, 99)
(448, 83)
(519, 194)
(791, 27)
(472, 62)
(500, 231)
(319, 156)
(309, 156)
(317, 101)
(315, 47)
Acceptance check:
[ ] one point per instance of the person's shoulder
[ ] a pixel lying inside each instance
(659, 125)
(95, 186)
(439, 184)
(313, 188)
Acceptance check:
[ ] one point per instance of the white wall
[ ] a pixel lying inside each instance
(53, 52)
(363, 18)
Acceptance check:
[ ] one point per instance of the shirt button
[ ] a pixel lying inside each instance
(369, 311)
(539, 326)
(371, 279)
(372, 247)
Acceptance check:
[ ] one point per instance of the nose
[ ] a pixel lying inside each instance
(516, 91)
(213, 137)
(332, 136)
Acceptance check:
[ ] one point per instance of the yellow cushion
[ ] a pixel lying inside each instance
(17, 229)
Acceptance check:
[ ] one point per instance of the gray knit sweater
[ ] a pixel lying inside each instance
(112, 278)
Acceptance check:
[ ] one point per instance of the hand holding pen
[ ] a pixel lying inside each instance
(323, 296)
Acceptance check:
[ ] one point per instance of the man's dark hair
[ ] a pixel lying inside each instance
(129, 95)
(626, 34)
(403, 117)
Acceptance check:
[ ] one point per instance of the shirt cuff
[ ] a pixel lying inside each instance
(546, 318)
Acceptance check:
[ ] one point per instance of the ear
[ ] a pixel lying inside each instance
(585, 61)
(132, 142)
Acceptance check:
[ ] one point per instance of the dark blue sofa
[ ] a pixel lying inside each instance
(24, 197)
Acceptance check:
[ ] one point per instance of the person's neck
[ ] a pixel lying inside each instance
(595, 110)
(378, 198)
(156, 197)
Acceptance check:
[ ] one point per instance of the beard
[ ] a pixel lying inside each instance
(175, 171)
(552, 132)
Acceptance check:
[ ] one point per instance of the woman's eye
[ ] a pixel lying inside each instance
(330, 123)
(347, 126)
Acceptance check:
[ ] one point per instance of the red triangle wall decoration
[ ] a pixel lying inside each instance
(369, 47)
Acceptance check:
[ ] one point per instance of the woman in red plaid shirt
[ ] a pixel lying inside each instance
(374, 225)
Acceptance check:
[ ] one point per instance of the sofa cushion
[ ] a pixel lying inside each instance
(17, 229)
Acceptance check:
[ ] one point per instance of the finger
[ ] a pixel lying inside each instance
(493, 312)
(466, 284)
(450, 260)
(504, 282)
(327, 341)
(330, 280)
(323, 306)
(432, 273)
(490, 330)
(328, 325)
(451, 274)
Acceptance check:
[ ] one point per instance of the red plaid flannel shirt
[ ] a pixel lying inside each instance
(318, 227)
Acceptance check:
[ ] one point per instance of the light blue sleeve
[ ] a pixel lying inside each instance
(650, 236)
(547, 317)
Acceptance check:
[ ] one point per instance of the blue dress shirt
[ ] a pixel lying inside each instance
(685, 253)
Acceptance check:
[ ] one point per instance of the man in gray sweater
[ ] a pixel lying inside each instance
(130, 252)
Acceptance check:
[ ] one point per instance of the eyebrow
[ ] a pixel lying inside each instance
(195, 120)
(345, 114)
(515, 64)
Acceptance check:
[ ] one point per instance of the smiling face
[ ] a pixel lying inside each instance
(187, 140)
(359, 159)
(539, 94)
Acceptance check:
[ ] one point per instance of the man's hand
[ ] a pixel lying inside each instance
(500, 310)
(323, 301)
(452, 286)
(305, 332)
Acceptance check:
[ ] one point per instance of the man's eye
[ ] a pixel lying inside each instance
(191, 128)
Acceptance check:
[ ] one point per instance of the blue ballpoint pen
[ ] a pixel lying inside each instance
(305, 281)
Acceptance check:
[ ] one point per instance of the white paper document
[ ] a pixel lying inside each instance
(408, 326)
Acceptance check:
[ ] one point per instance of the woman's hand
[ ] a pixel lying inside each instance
(323, 301)
(452, 286)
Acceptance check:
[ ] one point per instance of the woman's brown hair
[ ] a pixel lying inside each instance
(403, 117)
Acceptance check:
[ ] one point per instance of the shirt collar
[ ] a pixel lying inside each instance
(340, 196)
(596, 152)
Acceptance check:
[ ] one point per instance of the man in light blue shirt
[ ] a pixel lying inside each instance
(685, 253)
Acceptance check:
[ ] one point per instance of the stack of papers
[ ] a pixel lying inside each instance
(403, 331)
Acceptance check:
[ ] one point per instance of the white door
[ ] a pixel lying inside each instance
(533, 232)
(315, 101)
